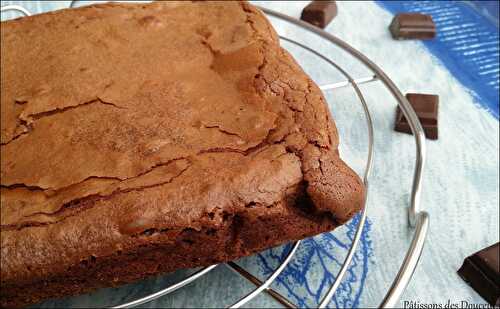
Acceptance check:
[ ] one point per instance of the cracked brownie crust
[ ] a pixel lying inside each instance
(156, 137)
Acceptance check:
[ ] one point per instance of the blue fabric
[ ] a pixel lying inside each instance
(467, 43)
(490, 9)
(328, 251)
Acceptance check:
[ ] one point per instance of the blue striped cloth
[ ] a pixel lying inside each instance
(467, 43)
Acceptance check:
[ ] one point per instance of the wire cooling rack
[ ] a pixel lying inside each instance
(418, 219)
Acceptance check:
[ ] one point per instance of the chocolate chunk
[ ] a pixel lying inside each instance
(426, 107)
(412, 26)
(319, 13)
(482, 272)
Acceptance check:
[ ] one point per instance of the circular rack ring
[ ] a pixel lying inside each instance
(17, 8)
(417, 218)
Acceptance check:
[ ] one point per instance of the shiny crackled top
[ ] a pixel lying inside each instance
(122, 118)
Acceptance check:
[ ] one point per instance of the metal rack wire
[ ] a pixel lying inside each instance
(417, 218)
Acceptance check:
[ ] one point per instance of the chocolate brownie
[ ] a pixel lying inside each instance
(137, 139)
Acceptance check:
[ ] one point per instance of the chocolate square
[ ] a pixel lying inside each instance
(412, 26)
(482, 272)
(319, 13)
(426, 107)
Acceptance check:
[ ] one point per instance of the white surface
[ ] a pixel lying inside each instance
(461, 182)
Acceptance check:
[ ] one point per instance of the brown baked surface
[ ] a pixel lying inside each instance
(156, 137)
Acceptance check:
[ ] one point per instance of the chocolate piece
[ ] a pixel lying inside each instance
(319, 13)
(426, 107)
(482, 272)
(412, 26)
